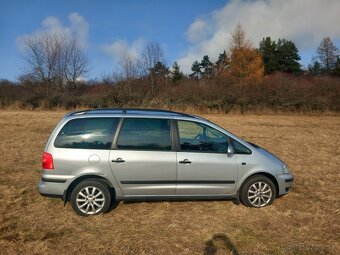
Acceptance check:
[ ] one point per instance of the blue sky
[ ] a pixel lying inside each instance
(186, 29)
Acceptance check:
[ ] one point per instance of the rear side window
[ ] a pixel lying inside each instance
(145, 134)
(87, 133)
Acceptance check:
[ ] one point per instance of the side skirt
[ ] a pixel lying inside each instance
(174, 198)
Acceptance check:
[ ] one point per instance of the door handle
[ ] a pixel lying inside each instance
(118, 160)
(185, 161)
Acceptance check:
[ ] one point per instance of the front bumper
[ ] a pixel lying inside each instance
(285, 182)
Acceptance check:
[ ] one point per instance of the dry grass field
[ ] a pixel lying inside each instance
(307, 221)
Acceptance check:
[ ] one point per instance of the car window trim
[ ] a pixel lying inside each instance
(115, 138)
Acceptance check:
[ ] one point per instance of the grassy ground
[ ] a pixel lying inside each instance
(307, 221)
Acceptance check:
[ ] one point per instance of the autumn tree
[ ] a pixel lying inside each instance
(246, 64)
(176, 75)
(238, 39)
(327, 54)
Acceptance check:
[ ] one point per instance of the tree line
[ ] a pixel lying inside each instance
(243, 77)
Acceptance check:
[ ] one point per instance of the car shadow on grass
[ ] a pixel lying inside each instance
(220, 243)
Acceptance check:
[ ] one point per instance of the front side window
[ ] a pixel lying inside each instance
(145, 134)
(198, 137)
(87, 133)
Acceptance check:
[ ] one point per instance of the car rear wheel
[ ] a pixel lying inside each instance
(258, 191)
(90, 198)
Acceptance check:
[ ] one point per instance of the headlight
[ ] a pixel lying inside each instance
(285, 169)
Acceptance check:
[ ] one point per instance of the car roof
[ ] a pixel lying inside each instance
(131, 111)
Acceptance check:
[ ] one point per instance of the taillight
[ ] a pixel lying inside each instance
(47, 161)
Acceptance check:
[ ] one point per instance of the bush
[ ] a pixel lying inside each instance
(277, 92)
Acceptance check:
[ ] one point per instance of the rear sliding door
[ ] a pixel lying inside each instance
(142, 158)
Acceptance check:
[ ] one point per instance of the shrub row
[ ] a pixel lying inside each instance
(278, 92)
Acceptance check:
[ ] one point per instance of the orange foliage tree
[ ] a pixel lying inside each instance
(246, 64)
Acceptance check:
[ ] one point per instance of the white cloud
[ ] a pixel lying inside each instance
(80, 27)
(119, 47)
(51, 23)
(305, 22)
(77, 26)
(197, 31)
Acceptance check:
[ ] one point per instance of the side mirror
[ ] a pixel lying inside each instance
(230, 150)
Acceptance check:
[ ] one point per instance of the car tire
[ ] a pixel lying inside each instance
(258, 191)
(90, 198)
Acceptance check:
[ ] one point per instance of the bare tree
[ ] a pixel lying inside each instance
(129, 69)
(54, 58)
(131, 66)
(151, 55)
(41, 53)
(327, 54)
(75, 61)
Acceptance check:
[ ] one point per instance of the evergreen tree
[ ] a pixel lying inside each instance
(159, 70)
(221, 58)
(327, 54)
(336, 70)
(176, 74)
(268, 51)
(222, 64)
(315, 68)
(207, 67)
(288, 56)
(282, 56)
(196, 70)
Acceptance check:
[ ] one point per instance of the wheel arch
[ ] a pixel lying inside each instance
(268, 175)
(75, 182)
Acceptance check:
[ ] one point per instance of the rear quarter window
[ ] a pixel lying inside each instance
(87, 133)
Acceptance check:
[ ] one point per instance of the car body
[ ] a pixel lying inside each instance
(97, 156)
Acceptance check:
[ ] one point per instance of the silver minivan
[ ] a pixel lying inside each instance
(96, 157)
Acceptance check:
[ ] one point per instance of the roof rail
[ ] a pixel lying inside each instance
(126, 110)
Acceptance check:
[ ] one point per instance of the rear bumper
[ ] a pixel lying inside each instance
(51, 189)
(54, 185)
(285, 182)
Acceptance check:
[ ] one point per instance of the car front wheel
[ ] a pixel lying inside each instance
(90, 198)
(258, 191)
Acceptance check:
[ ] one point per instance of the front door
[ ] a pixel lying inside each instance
(203, 166)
